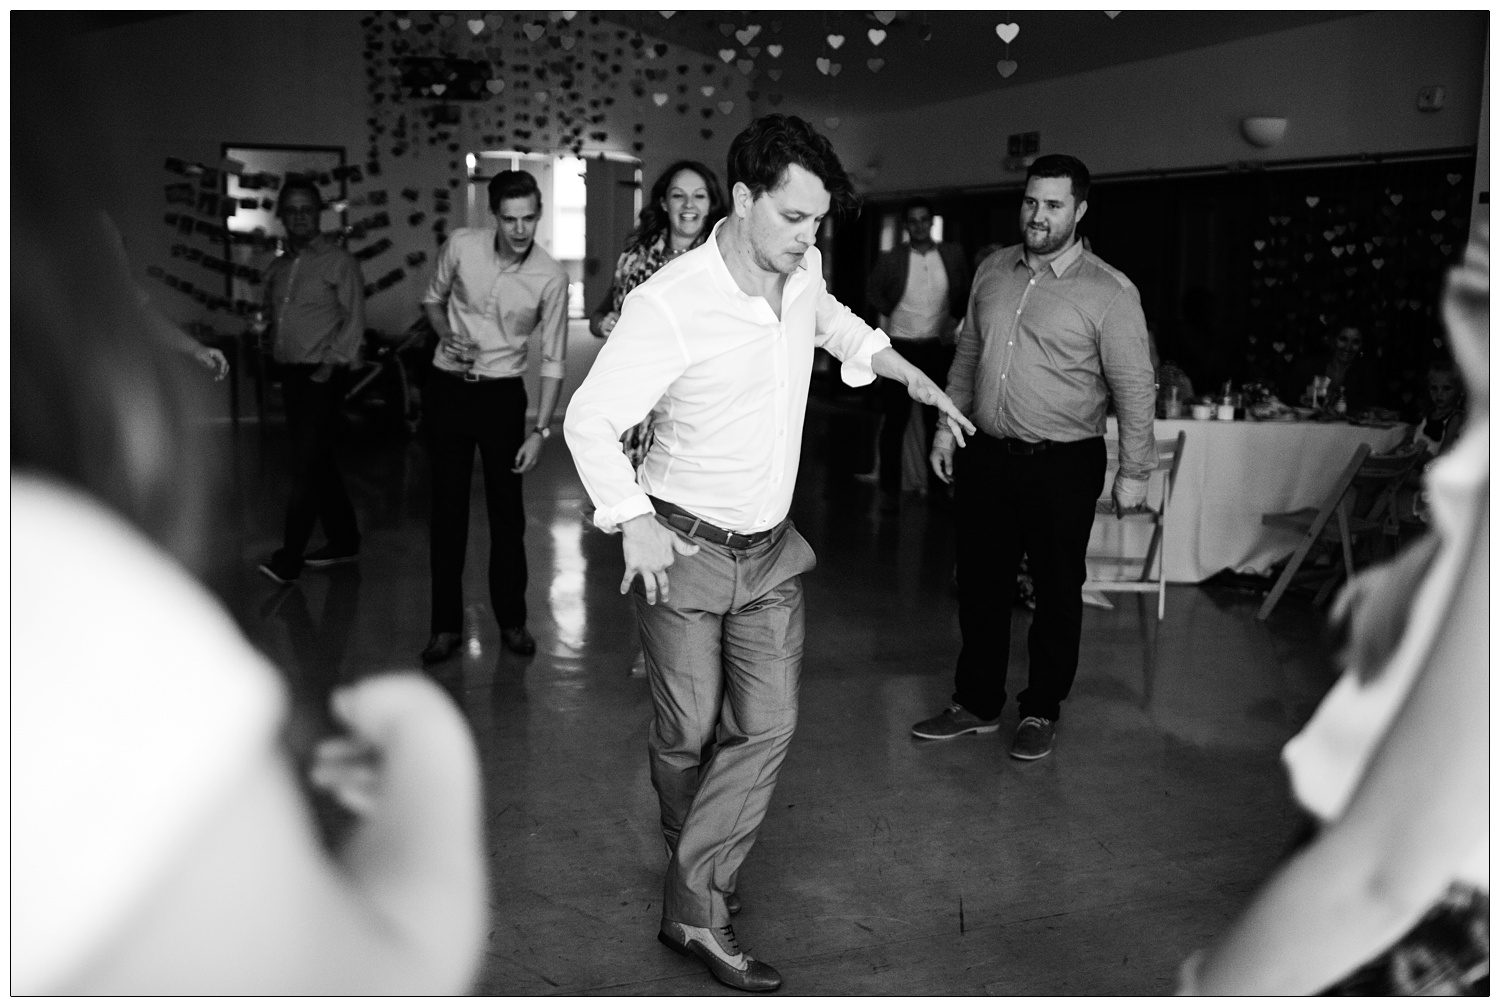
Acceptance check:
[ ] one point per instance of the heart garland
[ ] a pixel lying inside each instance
(1007, 33)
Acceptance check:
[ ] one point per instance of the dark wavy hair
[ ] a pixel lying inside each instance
(654, 221)
(1062, 166)
(760, 155)
(513, 185)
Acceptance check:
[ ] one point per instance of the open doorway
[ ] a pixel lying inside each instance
(588, 208)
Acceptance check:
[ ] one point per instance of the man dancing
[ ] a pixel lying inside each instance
(719, 345)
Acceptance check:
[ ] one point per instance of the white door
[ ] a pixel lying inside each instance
(613, 188)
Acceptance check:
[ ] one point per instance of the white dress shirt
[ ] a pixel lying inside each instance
(727, 383)
(922, 313)
(498, 307)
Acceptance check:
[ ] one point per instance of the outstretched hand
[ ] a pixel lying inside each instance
(650, 548)
(924, 390)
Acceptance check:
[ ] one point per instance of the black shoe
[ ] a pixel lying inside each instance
(518, 641)
(717, 948)
(280, 570)
(441, 647)
(329, 556)
(1033, 739)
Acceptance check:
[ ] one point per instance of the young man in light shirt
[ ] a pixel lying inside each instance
(493, 291)
(719, 345)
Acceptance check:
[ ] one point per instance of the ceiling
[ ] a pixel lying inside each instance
(932, 56)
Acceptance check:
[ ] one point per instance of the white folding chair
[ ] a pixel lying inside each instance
(1168, 457)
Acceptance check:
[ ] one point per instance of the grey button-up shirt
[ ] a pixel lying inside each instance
(316, 299)
(1042, 353)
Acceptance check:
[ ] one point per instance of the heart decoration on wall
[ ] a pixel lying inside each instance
(726, 107)
(727, 55)
(832, 121)
(707, 90)
(775, 50)
(774, 74)
(534, 31)
(1007, 67)
(403, 23)
(1312, 201)
(476, 26)
(884, 16)
(745, 66)
(834, 41)
(747, 34)
(1008, 32)
(823, 63)
(495, 85)
(875, 64)
(661, 98)
(876, 35)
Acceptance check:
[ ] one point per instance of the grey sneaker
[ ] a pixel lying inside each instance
(1033, 738)
(952, 722)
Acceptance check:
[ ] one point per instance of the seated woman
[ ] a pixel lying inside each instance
(1345, 370)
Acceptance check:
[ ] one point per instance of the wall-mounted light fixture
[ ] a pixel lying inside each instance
(1263, 130)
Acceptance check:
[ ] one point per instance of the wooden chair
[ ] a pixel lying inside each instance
(1360, 504)
(1168, 458)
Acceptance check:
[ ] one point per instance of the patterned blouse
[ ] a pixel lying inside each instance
(637, 264)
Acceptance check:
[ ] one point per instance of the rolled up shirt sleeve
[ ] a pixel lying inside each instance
(1125, 356)
(553, 328)
(442, 276)
(849, 338)
(642, 357)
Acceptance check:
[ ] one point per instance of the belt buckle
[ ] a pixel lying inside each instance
(471, 377)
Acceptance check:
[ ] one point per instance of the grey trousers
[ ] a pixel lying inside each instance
(724, 657)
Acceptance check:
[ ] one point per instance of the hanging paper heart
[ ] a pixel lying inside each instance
(752, 51)
(832, 121)
(747, 33)
(403, 23)
(534, 31)
(1439, 214)
(568, 42)
(875, 64)
(661, 98)
(774, 50)
(1369, 248)
(1350, 270)
(1270, 281)
(438, 88)
(1454, 179)
(1337, 250)
(885, 16)
(1435, 238)
(1307, 256)
(666, 13)
(542, 96)
(1112, 14)
(446, 20)
(1259, 244)
(726, 28)
(1278, 347)
(726, 54)
(726, 107)
(1396, 199)
(495, 86)
(1008, 32)
(823, 63)
(745, 66)
(494, 21)
(834, 68)
(1257, 263)
(1312, 201)
(476, 26)
(1287, 220)
(1349, 248)
(834, 41)
(876, 35)
(708, 90)
(1445, 249)
(569, 15)
(774, 74)
(1007, 67)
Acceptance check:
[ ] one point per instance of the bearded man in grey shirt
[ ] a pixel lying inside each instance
(1053, 333)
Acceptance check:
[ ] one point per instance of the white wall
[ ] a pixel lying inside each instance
(1348, 86)
(181, 86)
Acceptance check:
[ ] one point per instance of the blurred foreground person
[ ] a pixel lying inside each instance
(159, 842)
(1392, 895)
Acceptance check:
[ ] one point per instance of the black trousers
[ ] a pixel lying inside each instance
(932, 358)
(1006, 505)
(317, 493)
(459, 416)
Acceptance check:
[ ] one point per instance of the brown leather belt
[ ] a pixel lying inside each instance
(692, 525)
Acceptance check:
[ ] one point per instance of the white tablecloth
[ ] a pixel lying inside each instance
(1231, 474)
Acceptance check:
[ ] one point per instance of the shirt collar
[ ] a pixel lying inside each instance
(719, 269)
(1060, 264)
